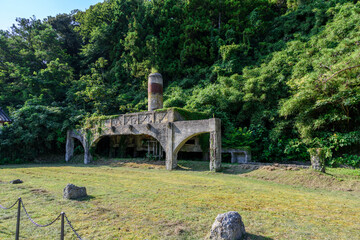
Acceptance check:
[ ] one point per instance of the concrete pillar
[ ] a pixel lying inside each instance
(233, 159)
(155, 91)
(215, 145)
(171, 161)
(69, 147)
(171, 156)
(87, 155)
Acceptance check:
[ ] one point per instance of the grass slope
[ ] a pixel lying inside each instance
(135, 201)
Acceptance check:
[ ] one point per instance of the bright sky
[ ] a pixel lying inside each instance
(11, 9)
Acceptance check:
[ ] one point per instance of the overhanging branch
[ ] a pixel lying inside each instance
(340, 71)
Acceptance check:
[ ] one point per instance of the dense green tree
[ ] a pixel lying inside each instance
(283, 75)
(326, 100)
(30, 52)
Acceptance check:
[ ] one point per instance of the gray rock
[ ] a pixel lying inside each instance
(228, 226)
(73, 192)
(17, 181)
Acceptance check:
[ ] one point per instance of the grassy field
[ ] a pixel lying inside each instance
(144, 201)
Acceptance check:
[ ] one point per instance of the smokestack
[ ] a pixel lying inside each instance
(155, 91)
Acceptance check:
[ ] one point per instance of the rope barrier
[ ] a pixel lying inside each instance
(78, 236)
(9, 207)
(36, 224)
(60, 216)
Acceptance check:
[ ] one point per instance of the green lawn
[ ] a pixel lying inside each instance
(135, 201)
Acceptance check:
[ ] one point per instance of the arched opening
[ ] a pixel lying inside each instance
(75, 151)
(196, 148)
(102, 146)
(129, 146)
(78, 147)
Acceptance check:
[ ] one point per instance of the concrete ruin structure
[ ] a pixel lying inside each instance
(159, 132)
(239, 155)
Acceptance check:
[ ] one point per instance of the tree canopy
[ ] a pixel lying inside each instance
(282, 75)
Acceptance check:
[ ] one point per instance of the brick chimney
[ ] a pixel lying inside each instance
(155, 91)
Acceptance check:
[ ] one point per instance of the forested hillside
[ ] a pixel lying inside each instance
(283, 75)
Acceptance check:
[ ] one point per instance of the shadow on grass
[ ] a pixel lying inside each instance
(112, 162)
(84, 199)
(202, 166)
(183, 165)
(250, 236)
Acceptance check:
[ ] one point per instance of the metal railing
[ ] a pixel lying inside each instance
(62, 216)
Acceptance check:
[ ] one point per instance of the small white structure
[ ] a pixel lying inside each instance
(239, 155)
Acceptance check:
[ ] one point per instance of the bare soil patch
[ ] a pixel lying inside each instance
(39, 191)
(305, 177)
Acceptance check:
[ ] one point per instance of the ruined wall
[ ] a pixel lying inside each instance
(161, 125)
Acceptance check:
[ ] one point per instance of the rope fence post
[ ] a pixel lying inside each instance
(62, 226)
(62, 216)
(17, 235)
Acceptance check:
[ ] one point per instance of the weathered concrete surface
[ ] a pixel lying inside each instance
(239, 155)
(167, 127)
(79, 135)
(228, 226)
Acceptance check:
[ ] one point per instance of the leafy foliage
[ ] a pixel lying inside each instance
(283, 76)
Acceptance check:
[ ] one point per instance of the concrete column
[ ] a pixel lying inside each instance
(87, 156)
(171, 161)
(171, 156)
(69, 147)
(215, 145)
(233, 159)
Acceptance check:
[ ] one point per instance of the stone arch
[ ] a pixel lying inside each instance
(71, 135)
(96, 140)
(80, 139)
(170, 132)
(182, 131)
(180, 143)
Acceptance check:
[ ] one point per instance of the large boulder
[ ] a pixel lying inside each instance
(73, 192)
(228, 226)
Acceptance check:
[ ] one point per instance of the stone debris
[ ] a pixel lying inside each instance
(270, 168)
(228, 226)
(16, 181)
(73, 192)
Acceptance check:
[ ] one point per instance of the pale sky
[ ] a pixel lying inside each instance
(11, 9)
